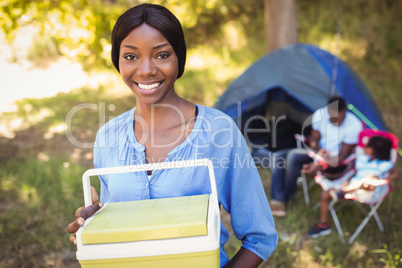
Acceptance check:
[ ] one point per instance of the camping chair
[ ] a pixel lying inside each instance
(300, 139)
(326, 184)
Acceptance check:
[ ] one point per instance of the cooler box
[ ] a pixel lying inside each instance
(167, 232)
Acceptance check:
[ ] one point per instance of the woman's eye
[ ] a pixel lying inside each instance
(163, 56)
(129, 57)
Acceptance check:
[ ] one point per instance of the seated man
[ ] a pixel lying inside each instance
(334, 135)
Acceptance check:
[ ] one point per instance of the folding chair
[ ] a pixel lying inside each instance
(327, 184)
(300, 139)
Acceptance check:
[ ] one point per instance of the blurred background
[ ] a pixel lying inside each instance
(55, 55)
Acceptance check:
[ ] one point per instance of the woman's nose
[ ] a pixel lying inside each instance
(146, 68)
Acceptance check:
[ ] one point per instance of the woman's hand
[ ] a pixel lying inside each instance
(83, 213)
(244, 259)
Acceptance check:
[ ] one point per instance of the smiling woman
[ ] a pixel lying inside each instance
(149, 51)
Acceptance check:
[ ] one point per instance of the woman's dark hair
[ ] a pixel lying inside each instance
(338, 103)
(156, 16)
(381, 147)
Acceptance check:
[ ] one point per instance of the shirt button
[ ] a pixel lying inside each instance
(147, 184)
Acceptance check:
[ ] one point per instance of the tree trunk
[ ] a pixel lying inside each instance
(280, 23)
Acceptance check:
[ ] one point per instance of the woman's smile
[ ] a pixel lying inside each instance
(148, 88)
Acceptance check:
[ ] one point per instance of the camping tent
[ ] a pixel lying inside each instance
(294, 81)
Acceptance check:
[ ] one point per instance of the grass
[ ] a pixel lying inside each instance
(295, 249)
(35, 195)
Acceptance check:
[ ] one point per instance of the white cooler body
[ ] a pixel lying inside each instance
(193, 251)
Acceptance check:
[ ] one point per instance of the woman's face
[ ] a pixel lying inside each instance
(148, 65)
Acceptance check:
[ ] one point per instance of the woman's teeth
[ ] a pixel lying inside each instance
(148, 87)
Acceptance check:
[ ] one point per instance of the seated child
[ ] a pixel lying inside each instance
(373, 169)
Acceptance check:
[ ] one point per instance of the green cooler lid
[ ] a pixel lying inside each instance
(148, 220)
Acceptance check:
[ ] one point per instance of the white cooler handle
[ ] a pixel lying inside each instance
(144, 167)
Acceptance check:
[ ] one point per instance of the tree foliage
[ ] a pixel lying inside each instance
(81, 28)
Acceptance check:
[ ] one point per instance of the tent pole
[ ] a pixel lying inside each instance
(362, 117)
(332, 88)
